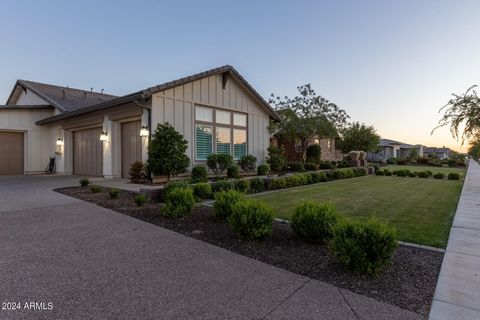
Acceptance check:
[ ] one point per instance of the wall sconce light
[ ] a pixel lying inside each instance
(60, 142)
(144, 131)
(104, 136)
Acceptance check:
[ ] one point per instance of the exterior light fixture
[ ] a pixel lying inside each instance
(60, 142)
(104, 136)
(144, 131)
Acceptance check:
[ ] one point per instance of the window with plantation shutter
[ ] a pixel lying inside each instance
(219, 131)
(203, 141)
(239, 143)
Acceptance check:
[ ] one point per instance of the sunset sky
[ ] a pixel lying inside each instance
(390, 64)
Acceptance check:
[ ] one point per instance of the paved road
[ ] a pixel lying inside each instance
(93, 263)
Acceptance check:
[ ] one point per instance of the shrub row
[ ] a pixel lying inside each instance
(421, 174)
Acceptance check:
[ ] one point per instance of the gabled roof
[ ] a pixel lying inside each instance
(62, 98)
(25, 106)
(145, 94)
(389, 143)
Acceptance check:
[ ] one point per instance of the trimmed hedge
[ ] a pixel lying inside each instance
(242, 185)
(251, 219)
(313, 221)
(257, 185)
(263, 169)
(453, 176)
(439, 175)
(179, 203)
(224, 201)
(199, 174)
(296, 166)
(222, 185)
(364, 247)
(202, 191)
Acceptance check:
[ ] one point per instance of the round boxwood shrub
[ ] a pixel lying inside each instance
(263, 169)
(319, 177)
(202, 191)
(222, 185)
(84, 182)
(380, 173)
(199, 174)
(172, 186)
(412, 174)
(113, 194)
(402, 173)
(232, 171)
(257, 185)
(140, 199)
(251, 219)
(278, 183)
(313, 221)
(439, 175)
(248, 163)
(179, 203)
(242, 185)
(423, 174)
(324, 165)
(224, 201)
(363, 247)
(453, 176)
(388, 173)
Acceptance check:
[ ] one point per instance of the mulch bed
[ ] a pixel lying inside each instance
(408, 283)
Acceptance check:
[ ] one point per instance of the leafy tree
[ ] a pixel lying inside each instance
(358, 136)
(307, 116)
(248, 163)
(276, 158)
(166, 152)
(462, 111)
(474, 148)
(219, 162)
(413, 154)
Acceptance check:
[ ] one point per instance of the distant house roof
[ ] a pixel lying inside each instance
(436, 150)
(226, 70)
(62, 98)
(390, 143)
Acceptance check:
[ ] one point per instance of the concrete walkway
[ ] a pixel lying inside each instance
(93, 263)
(457, 295)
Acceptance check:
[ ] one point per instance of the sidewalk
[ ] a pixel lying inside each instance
(458, 289)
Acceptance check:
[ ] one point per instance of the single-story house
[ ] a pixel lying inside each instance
(434, 152)
(95, 134)
(393, 149)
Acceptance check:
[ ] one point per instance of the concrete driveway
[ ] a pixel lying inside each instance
(62, 258)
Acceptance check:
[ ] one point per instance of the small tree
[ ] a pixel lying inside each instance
(166, 152)
(357, 136)
(413, 154)
(248, 163)
(276, 158)
(219, 162)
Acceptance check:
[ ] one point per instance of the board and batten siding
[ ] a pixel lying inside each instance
(176, 106)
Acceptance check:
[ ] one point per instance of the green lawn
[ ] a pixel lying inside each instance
(422, 210)
(445, 170)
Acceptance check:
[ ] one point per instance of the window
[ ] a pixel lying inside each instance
(203, 141)
(223, 117)
(203, 114)
(223, 140)
(230, 138)
(239, 143)
(240, 119)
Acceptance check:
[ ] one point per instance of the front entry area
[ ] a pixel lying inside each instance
(88, 152)
(131, 146)
(11, 153)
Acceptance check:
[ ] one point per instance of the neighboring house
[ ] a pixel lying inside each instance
(440, 153)
(293, 149)
(393, 149)
(95, 134)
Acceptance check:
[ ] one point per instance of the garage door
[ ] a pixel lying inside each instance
(131, 145)
(88, 152)
(11, 153)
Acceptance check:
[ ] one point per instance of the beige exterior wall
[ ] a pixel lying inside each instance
(176, 106)
(39, 142)
(27, 97)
